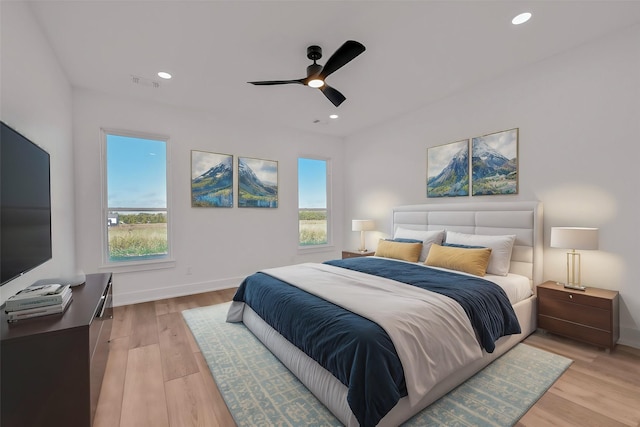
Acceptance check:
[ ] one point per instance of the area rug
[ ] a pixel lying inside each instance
(260, 391)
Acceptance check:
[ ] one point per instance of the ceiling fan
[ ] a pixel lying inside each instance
(316, 73)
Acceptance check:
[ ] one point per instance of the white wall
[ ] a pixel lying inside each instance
(579, 120)
(36, 101)
(219, 246)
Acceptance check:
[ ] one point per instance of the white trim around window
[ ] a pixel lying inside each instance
(136, 263)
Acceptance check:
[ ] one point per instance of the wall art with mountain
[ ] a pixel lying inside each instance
(211, 179)
(494, 163)
(257, 183)
(448, 170)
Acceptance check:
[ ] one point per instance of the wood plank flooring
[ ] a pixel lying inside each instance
(156, 376)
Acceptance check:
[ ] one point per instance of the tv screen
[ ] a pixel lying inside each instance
(25, 205)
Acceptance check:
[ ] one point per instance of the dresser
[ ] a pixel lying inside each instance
(52, 367)
(590, 316)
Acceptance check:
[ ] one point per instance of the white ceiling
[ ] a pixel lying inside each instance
(417, 51)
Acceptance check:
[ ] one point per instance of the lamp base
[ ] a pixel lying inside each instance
(576, 287)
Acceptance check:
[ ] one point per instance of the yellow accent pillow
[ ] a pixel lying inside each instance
(399, 250)
(472, 261)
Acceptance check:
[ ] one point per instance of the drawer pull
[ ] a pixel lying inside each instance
(570, 296)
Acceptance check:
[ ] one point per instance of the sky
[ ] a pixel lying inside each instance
(439, 157)
(265, 170)
(202, 161)
(312, 183)
(136, 172)
(505, 142)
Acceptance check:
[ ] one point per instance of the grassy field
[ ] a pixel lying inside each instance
(313, 232)
(128, 241)
(137, 240)
(312, 225)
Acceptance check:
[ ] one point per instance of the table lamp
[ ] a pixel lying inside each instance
(362, 225)
(574, 238)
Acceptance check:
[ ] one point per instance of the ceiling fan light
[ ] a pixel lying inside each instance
(316, 83)
(521, 19)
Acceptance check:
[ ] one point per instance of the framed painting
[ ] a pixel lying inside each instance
(448, 170)
(257, 183)
(211, 179)
(494, 163)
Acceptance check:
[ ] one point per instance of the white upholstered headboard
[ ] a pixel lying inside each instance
(524, 219)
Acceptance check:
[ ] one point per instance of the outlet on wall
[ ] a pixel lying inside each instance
(189, 271)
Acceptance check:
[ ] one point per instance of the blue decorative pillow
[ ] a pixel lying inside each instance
(401, 240)
(457, 245)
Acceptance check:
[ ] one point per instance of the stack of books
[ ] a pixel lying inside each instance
(38, 300)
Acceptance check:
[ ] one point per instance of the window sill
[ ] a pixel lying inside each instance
(131, 266)
(315, 249)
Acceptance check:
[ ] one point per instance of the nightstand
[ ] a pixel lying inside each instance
(356, 254)
(590, 316)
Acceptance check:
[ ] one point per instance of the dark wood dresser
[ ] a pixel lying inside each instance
(52, 367)
(590, 316)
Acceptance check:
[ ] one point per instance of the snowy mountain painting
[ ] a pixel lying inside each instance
(448, 170)
(494, 163)
(257, 183)
(211, 179)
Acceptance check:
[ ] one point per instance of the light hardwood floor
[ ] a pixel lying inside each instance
(157, 377)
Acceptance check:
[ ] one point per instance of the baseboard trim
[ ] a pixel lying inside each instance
(147, 295)
(629, 337)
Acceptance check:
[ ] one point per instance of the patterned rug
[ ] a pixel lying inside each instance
(260, 391)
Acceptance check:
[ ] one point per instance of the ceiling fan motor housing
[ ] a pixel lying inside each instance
(313, 70)
(314, 52)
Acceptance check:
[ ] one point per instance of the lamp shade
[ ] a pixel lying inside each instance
(362, 225)
(574, 238)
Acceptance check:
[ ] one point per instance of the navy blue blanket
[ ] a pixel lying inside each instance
(486, 303)
(357, 351)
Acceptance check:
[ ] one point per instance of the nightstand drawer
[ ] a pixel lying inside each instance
(593, 317)
(594, 336)
(575, 297)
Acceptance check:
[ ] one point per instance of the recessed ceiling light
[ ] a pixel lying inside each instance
(333, 116)
(521, 19)
(164, 75)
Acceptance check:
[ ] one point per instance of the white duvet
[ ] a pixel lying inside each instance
(431, 332)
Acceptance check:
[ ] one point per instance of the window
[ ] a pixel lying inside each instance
(136, 211)
(314, 217)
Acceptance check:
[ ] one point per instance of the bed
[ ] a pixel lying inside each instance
(418, 354)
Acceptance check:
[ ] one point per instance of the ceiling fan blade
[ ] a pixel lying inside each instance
(345, 53)
(277, 82)
(333, 95)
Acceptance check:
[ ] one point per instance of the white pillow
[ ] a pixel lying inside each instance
(501, 247)
(427, 237)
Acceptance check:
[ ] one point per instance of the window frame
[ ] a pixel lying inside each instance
(161, 262)
(329, 172)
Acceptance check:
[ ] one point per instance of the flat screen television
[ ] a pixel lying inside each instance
(25, 205)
